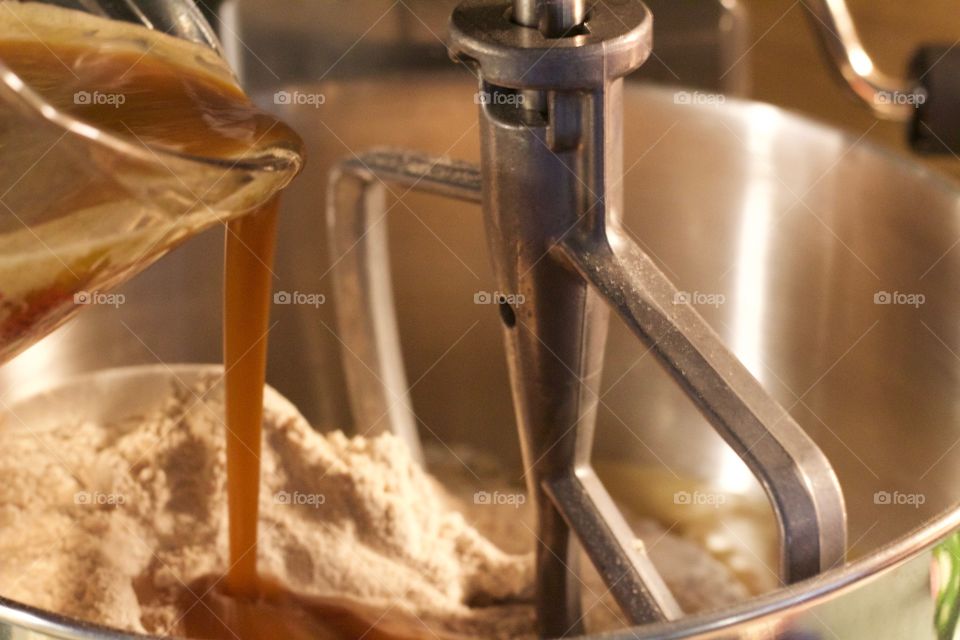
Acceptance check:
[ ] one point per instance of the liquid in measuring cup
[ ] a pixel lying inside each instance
(118, 144)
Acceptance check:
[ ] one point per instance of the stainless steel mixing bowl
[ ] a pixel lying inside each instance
(829, 266)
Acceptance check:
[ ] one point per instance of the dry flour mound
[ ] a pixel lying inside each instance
(115, 523)
(122, 521)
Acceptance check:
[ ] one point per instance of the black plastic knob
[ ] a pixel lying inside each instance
(935, 127)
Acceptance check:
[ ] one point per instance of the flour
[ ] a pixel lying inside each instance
(124, 524)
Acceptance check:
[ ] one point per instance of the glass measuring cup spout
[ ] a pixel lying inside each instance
(108, 157)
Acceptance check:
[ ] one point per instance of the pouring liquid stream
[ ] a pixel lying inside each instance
(250, 244)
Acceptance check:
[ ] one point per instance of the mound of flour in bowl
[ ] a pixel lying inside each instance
(123, 523)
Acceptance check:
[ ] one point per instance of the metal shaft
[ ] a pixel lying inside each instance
(554, 18)
(544, 180)
(549, 168)
(527, 12)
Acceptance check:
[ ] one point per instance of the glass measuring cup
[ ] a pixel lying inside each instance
(83, 209)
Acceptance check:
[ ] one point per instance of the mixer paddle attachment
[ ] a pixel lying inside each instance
(551, 80)
(366, 321)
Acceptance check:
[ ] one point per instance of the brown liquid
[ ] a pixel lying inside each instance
(174, 108)
(277, 613)
(195, 109)
(246, 316)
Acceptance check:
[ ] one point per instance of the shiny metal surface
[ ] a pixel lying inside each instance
(798, 478)
(888, 97)
(797, 225)
(518, 57)
(366, 321)
(553, 18)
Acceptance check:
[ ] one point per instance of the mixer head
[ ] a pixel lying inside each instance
(550, 76)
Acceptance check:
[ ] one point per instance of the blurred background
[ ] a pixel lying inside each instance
(786, 67)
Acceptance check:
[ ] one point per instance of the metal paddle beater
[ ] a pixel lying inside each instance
(551, 81)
